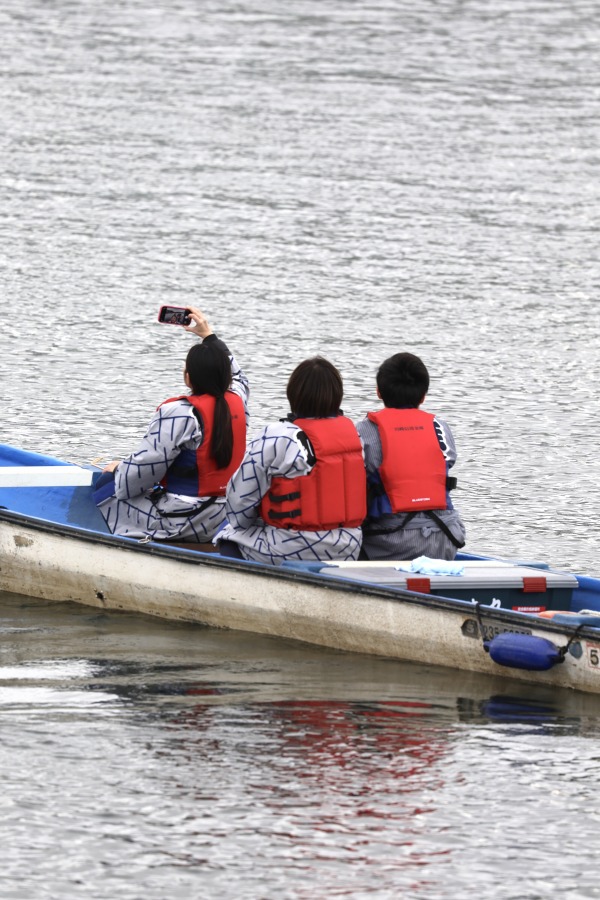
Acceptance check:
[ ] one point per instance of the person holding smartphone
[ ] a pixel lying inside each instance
(172, 487)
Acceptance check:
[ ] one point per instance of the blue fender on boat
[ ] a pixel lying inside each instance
(523, 651)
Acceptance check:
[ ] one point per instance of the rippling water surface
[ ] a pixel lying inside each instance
(336, 177)
(146, 759)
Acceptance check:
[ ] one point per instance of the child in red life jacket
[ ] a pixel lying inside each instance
(172, 487)
(300, 492)
(408, 455)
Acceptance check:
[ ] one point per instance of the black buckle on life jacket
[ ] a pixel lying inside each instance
(292, 514)
(451, 482)
(282, 498)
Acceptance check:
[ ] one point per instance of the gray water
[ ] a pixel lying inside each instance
(319, 177)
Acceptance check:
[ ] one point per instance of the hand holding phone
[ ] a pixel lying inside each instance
(174, 315)
(199, 324)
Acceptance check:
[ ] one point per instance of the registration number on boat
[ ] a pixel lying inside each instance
(490, 631)
(471, 628)
(593, 656)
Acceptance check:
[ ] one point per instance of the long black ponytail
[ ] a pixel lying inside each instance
(209, 370)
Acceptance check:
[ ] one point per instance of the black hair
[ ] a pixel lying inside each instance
(315, 389)
(209, 370)
(403, 381)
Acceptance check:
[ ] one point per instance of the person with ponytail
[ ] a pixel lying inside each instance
(172, 488)
(300, 492)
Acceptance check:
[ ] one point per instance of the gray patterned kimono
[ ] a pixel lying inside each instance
(280, 450)
(385, 537)
(136, 508)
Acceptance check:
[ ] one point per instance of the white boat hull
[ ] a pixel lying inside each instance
(114, 574)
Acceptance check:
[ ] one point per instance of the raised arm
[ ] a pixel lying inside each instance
(202, 328)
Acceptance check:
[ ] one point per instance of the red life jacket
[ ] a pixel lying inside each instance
(413, 471)
(195, 472)
(333, 494)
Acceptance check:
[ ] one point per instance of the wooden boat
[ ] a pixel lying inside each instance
(520, 620)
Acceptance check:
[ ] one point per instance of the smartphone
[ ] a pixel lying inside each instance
(174, 315)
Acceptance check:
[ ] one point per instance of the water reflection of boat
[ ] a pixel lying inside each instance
(54, 545)
(188, 673)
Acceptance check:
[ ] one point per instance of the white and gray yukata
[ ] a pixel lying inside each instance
(421, 536)
(138, 508)
(280, 450)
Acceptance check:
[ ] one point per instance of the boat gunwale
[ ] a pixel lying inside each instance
(328, 582)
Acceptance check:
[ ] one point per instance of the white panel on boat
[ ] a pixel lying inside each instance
(476, 575)
(44, 476)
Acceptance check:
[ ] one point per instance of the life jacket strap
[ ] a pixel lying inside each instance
(443, 527)
(292, 514)
(426, 512)
(283, 498)
(403, 524)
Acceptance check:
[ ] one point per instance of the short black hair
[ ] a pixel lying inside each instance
(403, 381)
(315, 389)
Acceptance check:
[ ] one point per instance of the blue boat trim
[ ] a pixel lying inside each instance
(497, 604)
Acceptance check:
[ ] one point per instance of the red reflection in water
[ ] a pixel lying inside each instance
(328, 783)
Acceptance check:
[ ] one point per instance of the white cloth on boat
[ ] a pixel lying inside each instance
(421, 535)
(136, 509)
(279, 450)
(424, 565)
